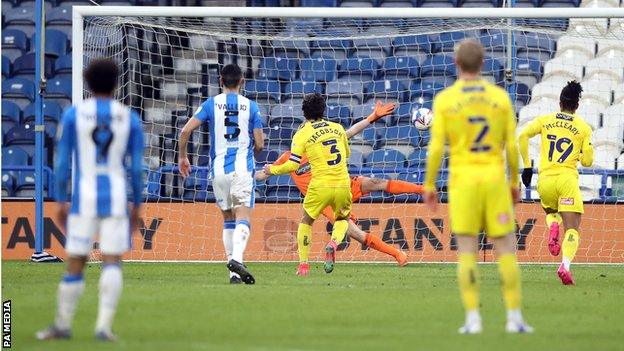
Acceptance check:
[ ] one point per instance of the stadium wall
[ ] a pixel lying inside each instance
(183, 231)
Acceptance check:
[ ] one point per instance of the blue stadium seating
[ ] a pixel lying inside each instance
(386, 158)
(400, 135)
(60, 89)
(406, 45)
(14, 156)
(8, 183)
(535, 45)
(320, 69)
(60, 18)
(263, 89)
(63, 66)
(21, 135)
(292, 48)
(448, 40)
(361, 111)
(56, 43)
(308, 25)
(282, 68)
(197, 180)
(523, 93)
(439, 69)
(20, 90)
(400, 66)
(319, 3)
(287, 111)
(25, 184)
(418, 158)
(363, 67)
(345, 88)
(10, 112)
(300, 88)
(22, 18)
(24, 66)
(279, 137)
(6, 67)
(493, 68)
(51, 112)
(356, 158)
(267, 157)
(14, 43)
(528, 67)
(339, 114)
(495, 43)
(281, 187)
(425, 90)
(337, 47)
(385, 89)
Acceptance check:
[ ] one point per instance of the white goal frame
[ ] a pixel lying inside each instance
(79, 12)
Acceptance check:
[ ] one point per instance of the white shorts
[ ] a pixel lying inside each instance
(114, 235)
(233, 190)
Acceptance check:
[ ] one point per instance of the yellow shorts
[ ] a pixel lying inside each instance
(476, 206)
(318, 198)
(560, 192)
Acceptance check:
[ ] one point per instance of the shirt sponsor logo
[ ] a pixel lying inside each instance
(566, 201)
(564, 116)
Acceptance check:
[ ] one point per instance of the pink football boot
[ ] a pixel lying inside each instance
(565, 275)
(303, 269)
(554, 246)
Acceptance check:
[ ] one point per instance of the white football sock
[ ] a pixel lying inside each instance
(566, 263)
(514, 316)
(240, 237)
(473, 316)
(228, 244)
(111, 281)
(69, 292)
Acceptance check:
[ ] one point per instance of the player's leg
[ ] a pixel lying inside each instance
(242, 196)
(571, 209)
(304, 243)
(389, 186)
(80, 233)
(340, 199)
(229, 224)
(376, 243)
(547, 190)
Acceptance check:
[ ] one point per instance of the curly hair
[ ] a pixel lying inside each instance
(570, 95)
(101, 76)
(313, 106)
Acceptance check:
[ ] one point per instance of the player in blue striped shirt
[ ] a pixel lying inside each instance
(235, 130)
(95, 136)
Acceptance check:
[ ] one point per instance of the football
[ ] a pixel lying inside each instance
(422, 117)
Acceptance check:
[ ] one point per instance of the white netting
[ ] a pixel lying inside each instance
(171, 65)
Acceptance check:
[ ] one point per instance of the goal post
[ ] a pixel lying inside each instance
(170, 58)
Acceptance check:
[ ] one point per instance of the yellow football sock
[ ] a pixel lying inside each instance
(510, 280)
(339, 231)
(569, 246)
(304, 241)
(468, 277)
(553, 217)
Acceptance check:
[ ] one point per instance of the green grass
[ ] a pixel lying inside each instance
(358, 307)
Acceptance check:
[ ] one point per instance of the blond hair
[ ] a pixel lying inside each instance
(469, 56)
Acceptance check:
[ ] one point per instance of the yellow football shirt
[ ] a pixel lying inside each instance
(566, 140)
(477, 120)
(326, 145)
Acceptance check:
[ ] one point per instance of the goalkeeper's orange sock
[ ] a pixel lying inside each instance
(402, 187)
(376, 243)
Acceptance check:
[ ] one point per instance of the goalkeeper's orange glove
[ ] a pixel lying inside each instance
(381, 110)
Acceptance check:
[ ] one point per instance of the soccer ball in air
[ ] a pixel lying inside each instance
(422, 117)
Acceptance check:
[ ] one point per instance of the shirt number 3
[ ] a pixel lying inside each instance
(333, 149)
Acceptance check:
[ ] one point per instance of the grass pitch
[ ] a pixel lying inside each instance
(191, 306)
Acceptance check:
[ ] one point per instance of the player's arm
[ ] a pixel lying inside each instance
(511, 146)
(66, 136)
(257, 127)
(297, 150)
(185, 134)
(530, 130)
(435, 152)
(587, 151)
(381, 110)
(135, 149)
(263, 175)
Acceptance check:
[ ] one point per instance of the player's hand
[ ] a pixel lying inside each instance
(62, 213)
(267, 170)
(135, 218)
(262, 175)
(185, 166)
(527, 174)
(431, 199)
(515, 194)
(381, 110)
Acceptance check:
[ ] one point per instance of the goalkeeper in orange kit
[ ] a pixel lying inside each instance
(360, 186)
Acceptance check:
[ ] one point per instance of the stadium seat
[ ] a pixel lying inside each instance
(448, 40)
(358, 3)
(59, 17)
(281, 182)
(320, 69)
(492, 71)
(606, 154)
(588, 27)
(494, 42)
(608, 135)
(14, 156)
(197, 180)
(51, 112)
(535, 45)
(398, 66)
(401, 138)
(8, 183)
(63, 66)
(267, 157)
(532, 110)
(60, 89)
(598, 90)
(286, 115)
(345, 91)
(528, 71)
(10, 112)
(397, 3)
(263, 89)
(546, 89)
(613, 116)
(376, 48)
(565, 67)
(438, 3)
(338, 48)
(559, 3)
(590, 112)
(385, 90)
(25, 184)
(56, 43)
(309, 26)
(339, 114)
(300, 88)
(294, 47)
(14, 43)
(281, 68)
(424, 91)
(523, 93)
(6, 67)
(586, 45)
(356, 158)
(605, 69)
(364, 68)
(386, 158)
(279, 137)
(418, 158)
(616, 28)
(21, 18)
(24, 66)
(480, 3)
(417, 46)
(618, 94)
(319, 3)
(439, 69)
(19, 90)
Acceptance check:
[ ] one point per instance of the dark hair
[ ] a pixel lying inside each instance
(570, 95)
(313, 106)
(101, 76)
(231, 75)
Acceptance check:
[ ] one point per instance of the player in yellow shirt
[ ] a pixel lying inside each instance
(326, 145)
(477, 121)
(566, 140)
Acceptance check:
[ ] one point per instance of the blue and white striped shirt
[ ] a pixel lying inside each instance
(231, 119)
(96, 135)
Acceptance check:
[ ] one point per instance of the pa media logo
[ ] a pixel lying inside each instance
(6, 324)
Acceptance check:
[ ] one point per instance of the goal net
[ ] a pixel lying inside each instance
(170, 64)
